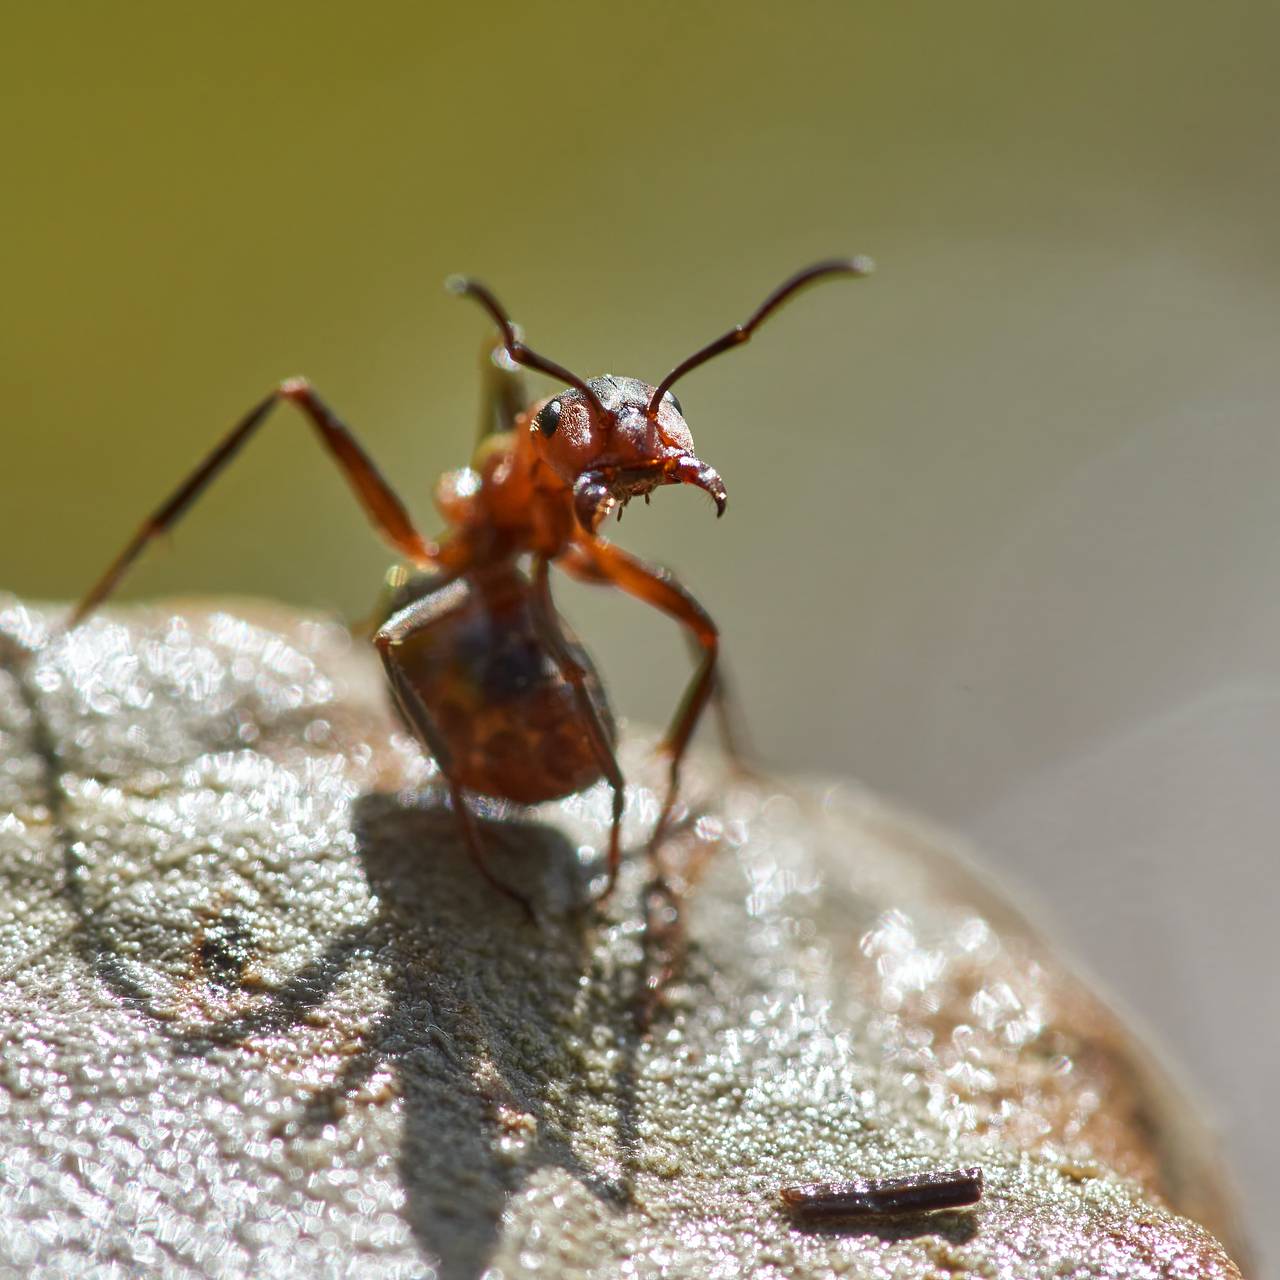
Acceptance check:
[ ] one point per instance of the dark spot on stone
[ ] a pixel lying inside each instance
(224, 950)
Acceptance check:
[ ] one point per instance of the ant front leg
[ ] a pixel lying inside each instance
(388, 640)
(664, 934)
(734, 740)
(380, 502)
(548, 623)
(602, 562)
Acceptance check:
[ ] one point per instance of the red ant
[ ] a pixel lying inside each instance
(483, 670)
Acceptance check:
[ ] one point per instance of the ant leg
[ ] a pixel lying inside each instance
(601, 561)
(387, 641)
(734, 741)
(502, 396)
(475, 846)
(664, 934)
(387, 513)
(384, 603)
(733, 737)
(401, 586)
(664, 948)
(548, 624)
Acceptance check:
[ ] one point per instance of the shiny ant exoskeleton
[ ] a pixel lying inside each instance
(482, 668)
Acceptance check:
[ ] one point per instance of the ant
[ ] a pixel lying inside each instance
(483, 670)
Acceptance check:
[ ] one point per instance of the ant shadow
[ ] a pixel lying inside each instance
(476, 1028)
(469, 1031)
(477, 1007)
(475, 1010)
(956, 1227)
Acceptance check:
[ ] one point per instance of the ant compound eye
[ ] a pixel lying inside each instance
(670, 395)
(548, 418)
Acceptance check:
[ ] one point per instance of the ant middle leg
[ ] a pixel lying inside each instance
(401, 586)
(381, 504)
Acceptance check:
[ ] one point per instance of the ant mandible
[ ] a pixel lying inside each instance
(482, 668)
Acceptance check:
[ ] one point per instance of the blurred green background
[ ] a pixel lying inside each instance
(1002, 534)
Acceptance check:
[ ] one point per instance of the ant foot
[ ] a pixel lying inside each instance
(663, 949)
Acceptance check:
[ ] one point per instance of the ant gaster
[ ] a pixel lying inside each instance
(483, 670)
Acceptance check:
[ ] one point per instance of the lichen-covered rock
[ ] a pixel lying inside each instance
(261, 1017)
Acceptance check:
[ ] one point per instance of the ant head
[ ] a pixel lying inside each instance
(613, 439)
(611, 443)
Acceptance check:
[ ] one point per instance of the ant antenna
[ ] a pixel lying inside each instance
(511, 343)
(860, 266)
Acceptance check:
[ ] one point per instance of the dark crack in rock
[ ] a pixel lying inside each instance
(261, 1017)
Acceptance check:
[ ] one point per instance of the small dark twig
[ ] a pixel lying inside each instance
(871, 1197)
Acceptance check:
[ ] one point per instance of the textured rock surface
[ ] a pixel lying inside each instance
(261, 1017)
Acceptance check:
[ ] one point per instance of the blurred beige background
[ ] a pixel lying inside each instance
(1002, 538)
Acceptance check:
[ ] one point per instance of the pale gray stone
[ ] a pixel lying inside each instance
(262, 1017)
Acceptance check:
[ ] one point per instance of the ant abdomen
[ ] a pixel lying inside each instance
(477, 680)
